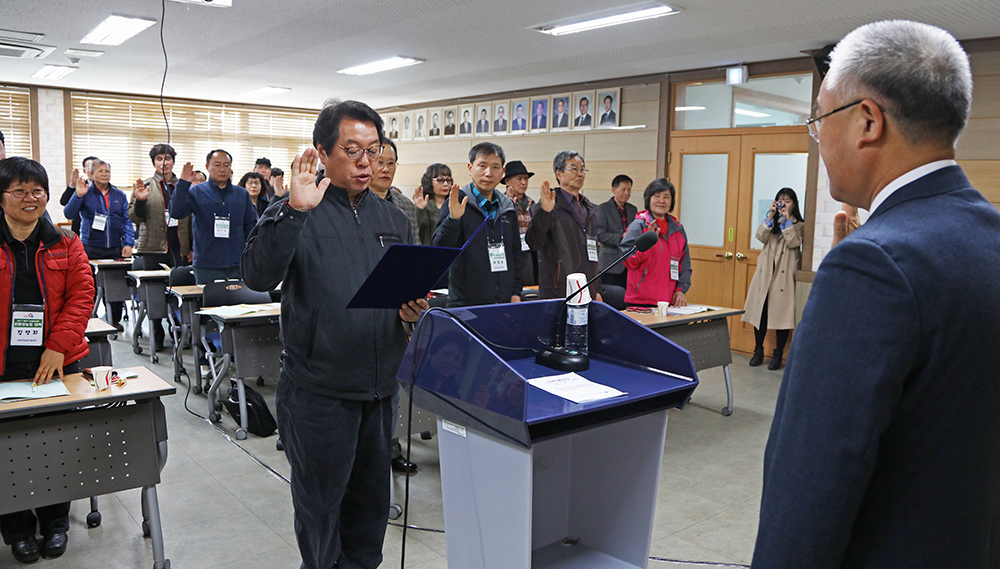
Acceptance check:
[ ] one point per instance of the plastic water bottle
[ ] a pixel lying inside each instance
(577, 310)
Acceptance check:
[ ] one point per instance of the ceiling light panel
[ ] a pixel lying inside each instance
(116, 29)
(381, 65)
(624, 15)
(53, 72)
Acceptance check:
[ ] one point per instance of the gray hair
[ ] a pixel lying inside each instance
(918, 72)
(95, 163)
(559, 163)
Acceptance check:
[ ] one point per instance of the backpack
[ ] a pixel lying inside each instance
(260, 421)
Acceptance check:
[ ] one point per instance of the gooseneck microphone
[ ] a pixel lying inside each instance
(556, 356)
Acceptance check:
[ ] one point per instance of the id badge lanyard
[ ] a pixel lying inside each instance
(221, 230)
(591, 241)
(496, 251)
(100, 222)
(27, 321)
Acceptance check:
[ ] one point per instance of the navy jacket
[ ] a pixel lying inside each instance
(205, 201)
(470, 279)
(118, 232)
(885, 446)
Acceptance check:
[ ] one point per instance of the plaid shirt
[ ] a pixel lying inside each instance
(523, 207)
(490, 207)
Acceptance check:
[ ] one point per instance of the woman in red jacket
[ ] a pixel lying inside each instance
(43, 271)
(662, 273)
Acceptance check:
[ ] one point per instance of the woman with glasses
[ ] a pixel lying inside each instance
(771, 298)
(254, 184)
(45, 274)
(435, 185)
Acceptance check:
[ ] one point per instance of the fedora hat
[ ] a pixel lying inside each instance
(514, 168)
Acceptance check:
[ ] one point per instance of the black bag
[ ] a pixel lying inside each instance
(260, 421)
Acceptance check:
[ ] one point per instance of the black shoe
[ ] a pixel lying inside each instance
(25, 550)
(55, 545)
(758, 357)
(158, 346)
(400, 464)
(775, 361)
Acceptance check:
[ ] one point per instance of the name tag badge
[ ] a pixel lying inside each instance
(675, 270)
(27, 325)
(171, 222)
(222, 227)
(498, 257)
(592, 249)
(100, 222)
(524, 243)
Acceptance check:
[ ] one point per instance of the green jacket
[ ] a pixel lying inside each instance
(149, 215)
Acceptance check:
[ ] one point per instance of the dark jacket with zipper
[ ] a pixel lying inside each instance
(561, 243)
(470, 280)
(321, 258)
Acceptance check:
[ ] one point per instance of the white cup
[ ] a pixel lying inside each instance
(661, 308)
(102, 377)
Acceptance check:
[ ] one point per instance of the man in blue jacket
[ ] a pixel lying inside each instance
(489, 270)
(105, 229)
(885, 446)
(223, 217)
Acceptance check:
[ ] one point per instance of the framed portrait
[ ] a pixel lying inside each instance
(450, 116)
(406, 126)
(392, 125)
(520, 114)
(466, 120)
(560, 119)
(539, 121)
(607, 108)
(583, 110)
(420, 125)
(501, 117)
(435, 123)
(484, 119)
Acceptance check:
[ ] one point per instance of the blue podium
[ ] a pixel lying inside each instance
(532, 480)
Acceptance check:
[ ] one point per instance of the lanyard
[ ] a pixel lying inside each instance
(13, 273)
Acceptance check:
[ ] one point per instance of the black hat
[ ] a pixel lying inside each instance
(514, 168)
(263, 161)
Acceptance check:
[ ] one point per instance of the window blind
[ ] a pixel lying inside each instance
(15, 120)
(122, 129)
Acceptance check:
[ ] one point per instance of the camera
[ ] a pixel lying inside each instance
(781, 205)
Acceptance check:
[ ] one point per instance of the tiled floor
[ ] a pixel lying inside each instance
(221, 509)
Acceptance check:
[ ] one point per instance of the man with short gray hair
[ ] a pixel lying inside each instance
(885, 446)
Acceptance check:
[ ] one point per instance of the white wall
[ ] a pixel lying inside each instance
(52, 146)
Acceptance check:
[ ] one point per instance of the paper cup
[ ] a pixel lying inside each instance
(573, 283)
(102, 377)
(661, 308)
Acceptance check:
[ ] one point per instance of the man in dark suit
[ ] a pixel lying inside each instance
(518, 123)
(613, 218)
(449, 123)
(561, 118)
(538, 121)
(466, 126)
(484, 122)
(885, 446)
(435, 126)
(500, 124)
(584, 118)
(608, 116)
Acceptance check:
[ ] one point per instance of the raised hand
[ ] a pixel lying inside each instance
(81, 186)
(548, 197)
(773, 210)
(74, 177)
(187, 172)
(140, 190)
(455, 207)
(419, 198)
(305, 194)
(844, 223)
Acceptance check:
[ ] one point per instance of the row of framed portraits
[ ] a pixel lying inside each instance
(584, 110)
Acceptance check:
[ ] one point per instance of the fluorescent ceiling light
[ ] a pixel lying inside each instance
(215, 3)
(54, 72)
(753, 114)
(380, 66)
(689, 108)
(646, 12)
(263, 92)
(116, 29)
(83, 53)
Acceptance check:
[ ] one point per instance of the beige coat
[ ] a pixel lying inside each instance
(776, 268)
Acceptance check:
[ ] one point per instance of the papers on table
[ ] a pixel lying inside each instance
(685, 310)
(11, 391)
(239, 309)
(576, 388)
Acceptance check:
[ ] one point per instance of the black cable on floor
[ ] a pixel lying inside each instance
(701, 563)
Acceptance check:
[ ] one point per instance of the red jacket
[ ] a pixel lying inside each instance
(649, 271)
(67, 286)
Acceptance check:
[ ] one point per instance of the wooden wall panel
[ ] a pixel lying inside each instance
(979, 140)
(645, 113)
(539, 147)
(620, 146)
(986, 97)
(638, 93)
(424, 153)
(984, 176)
(987, 63)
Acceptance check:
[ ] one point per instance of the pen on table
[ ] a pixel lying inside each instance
(34, 386)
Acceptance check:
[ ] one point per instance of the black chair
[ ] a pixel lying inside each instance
(180, 330)
(614, 295)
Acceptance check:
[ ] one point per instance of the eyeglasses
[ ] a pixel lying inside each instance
(443, 180)
(21, 194)
(389, 164)
(578, 170)
(813, 124)
(355, 152)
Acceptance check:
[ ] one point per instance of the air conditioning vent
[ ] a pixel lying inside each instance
(24, 51)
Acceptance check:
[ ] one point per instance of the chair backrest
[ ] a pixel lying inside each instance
(143, 263)
(182, 276)
(232, 292)
(614, 295)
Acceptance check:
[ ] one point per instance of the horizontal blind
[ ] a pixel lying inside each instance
(15, 120)
(122, 129)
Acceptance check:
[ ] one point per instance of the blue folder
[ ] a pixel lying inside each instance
(405, 273)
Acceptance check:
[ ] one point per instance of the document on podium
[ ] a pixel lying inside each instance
(11, 391)
(405, 273)
(574, 387)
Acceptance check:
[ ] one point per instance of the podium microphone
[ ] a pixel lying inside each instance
(556, 356)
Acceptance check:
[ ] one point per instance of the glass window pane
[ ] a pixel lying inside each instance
(771, 172)
(703, 197)
(769, 101)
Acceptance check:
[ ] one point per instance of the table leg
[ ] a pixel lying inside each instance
(728, 409)
(97, 299)
(152, 522)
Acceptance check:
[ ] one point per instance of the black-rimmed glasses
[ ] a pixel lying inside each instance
(355, 152)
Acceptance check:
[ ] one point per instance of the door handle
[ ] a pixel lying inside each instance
(728, 256)
(741, 257)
